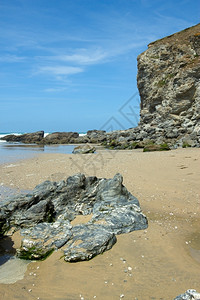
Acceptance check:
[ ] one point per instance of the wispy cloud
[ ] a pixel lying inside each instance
(60, 70)
(55, 90)
(11, 58)
(84, 57)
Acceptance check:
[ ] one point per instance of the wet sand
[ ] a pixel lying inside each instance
(157, 263)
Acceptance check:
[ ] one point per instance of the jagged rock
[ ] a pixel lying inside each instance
(60, 137)
(189, 295)
(84, 149)
(45, 215)
(41, 240)
(169, 86)
(96, 136)
(26, 138)
(87, 242)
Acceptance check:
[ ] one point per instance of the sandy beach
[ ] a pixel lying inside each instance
(160, 262)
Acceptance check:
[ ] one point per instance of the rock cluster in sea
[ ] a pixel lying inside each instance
(44, 217)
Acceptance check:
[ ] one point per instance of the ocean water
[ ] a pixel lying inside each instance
(11, 152)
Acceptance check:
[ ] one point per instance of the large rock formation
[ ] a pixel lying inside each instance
(44, 217)
(169, 86)
(27, 138)
(60, 137)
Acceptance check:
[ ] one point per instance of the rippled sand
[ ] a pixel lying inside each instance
(158, 263)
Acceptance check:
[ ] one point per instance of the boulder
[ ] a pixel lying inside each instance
(60, 137)
(27, 138)
(44, 217)
(84, 149)
(96, 136)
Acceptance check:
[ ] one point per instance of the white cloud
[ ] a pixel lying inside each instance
(60, 70)
(84, 57)
(55, 90)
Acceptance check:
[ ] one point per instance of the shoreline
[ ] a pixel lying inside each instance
(163, 260)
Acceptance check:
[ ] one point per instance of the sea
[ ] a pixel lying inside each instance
(11, 152)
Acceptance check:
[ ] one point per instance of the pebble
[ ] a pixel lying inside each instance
(129, 269)
(30, 290)
(122, 259)
(122, 296)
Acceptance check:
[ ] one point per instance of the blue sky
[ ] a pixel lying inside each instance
(71, 65)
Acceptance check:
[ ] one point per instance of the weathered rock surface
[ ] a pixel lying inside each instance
(60, 137)
(84, 149)
(189, 295)
(87, 242)
(169, 87)
(27, 138)
(44, 216)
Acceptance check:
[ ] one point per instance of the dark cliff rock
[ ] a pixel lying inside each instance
(44, 217)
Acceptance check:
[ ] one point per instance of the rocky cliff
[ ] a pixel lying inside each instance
(169, 86)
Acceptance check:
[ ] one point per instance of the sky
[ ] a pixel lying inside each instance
(71, 65)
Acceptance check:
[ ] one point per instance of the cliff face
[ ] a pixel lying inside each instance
(169, 86)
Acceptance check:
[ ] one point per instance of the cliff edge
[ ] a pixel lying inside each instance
(169, 86)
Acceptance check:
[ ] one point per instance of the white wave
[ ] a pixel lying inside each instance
(46, 133)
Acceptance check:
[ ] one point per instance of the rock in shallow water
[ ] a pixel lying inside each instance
(45, 214)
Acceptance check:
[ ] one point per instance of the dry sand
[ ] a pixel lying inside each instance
(158, 263)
